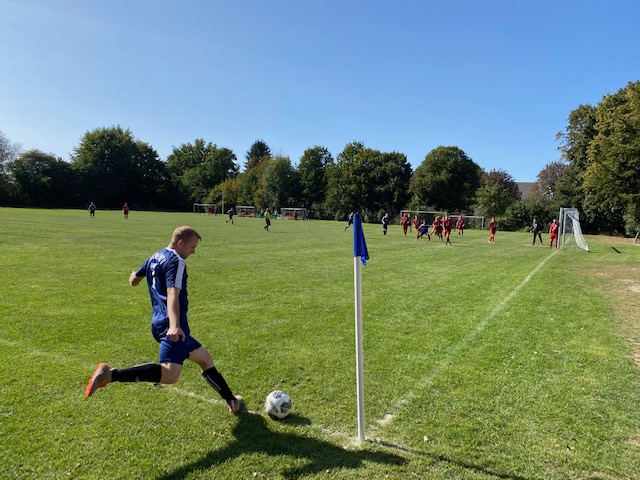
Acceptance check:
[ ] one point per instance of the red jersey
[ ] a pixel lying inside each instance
(493, 226)
(447, 223)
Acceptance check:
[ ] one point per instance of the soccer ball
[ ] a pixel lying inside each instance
(277, 405)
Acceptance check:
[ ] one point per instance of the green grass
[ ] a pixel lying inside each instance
(481, 361)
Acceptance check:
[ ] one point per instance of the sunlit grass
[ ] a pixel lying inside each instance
(480, 360)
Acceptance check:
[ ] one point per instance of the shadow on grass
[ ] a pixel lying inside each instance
(253, 436)
(442, 458)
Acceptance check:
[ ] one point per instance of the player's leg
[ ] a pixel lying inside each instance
(210, 373)
(148, 372)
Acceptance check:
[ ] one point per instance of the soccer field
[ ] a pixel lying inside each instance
(481, 361)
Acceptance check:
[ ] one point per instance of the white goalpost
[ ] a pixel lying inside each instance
(204, 208)
(245, 211)
(294, 213)
(570, 231)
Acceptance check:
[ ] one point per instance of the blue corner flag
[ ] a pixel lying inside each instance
(359, 243)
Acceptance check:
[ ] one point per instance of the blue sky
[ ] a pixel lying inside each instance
(497, 79)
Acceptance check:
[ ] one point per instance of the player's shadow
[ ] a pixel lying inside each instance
(253, 436)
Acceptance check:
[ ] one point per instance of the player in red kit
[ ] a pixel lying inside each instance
(460, 226)
(553, 233)
(437, 227)
(404, 221)
(493, 228)
(447, 225)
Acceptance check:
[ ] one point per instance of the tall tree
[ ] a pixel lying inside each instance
(9, 151)
(281, 186)
(196, 168)
(574, 146)
(612, 177)
(447, 179)
(115, 167)
(369, 181)
(44, 180)
(348, 184)
(497, 192)
(258, 152)
(391, 178)
(313, 172)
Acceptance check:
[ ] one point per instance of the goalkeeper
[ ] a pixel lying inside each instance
(536, 229)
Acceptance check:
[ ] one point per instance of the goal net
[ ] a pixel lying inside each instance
(245, 211)
(205, 208)
(570, 231)
(294, 213)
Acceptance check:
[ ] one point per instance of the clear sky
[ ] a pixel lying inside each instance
(496, 78)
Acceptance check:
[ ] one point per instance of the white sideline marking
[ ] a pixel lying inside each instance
(389, 417)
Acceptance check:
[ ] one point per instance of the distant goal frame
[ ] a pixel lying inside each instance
(204, 206)
(246, 211)
(289, 213)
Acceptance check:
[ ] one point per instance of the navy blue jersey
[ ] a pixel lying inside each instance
(165, 269)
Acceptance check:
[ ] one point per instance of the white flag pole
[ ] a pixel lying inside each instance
(357, 276)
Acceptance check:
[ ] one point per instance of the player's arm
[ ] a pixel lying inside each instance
(175, 333)
(134, 279)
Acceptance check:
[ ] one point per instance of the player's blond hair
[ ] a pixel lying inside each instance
(184, 233)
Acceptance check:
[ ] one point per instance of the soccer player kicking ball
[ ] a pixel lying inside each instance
(166, 275)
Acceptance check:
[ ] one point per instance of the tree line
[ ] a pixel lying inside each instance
(598, 172)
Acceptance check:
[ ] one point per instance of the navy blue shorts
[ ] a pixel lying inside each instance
(173, 352)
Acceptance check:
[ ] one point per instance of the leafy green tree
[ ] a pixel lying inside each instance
(231, 190)
(313, 172)
(390, 178)
(612, 177)
(44, 180)
(348, 188)
(114, 167)
(447, 179)
(497, 192)
(195, 169)
(281, 186)
(9, 151)
(574, 146)
(369, 181)
(258, 152)
(519, 215)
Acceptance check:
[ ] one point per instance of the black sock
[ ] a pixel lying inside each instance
(149, 372)
(215, 379)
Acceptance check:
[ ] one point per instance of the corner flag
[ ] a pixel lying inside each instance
(359, 250)
(359, 244)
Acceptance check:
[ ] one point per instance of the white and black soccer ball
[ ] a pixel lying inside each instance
(277, 405)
